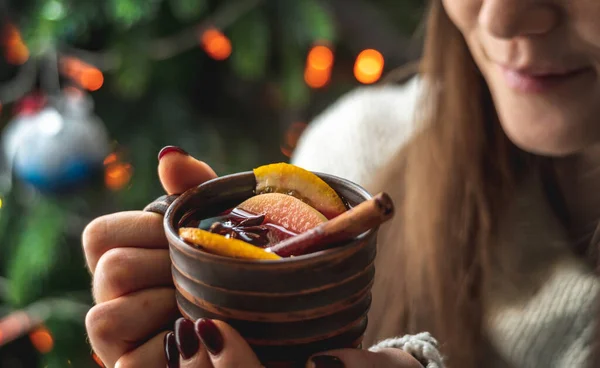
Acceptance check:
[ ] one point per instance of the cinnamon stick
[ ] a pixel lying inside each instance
(367, 215)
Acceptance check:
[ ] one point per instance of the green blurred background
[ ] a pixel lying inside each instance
(230, 81)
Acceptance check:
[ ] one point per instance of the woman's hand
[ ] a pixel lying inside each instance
(214, 344)
(127, 254)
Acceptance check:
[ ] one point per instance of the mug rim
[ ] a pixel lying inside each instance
(175, 241)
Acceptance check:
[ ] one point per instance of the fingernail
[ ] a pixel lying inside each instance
(170, 149)
(171, 352)
(326, 361)
(187, 341)
(210, 335)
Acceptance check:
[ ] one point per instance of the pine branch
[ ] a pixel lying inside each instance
(170, 46)
(159, 49)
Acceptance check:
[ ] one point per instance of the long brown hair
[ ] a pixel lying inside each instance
(452, 179)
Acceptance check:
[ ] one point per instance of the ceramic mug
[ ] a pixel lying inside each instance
(286, 309)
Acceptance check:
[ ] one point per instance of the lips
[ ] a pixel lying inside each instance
(533, 71)
(533, 79)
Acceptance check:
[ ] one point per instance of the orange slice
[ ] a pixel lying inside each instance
(284, 210)
(302, 184)
(220, 245)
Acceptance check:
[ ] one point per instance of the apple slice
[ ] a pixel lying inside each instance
(284, 210)
(220, 245)
(302, 184)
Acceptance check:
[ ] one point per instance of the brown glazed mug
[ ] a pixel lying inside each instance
(286, 309)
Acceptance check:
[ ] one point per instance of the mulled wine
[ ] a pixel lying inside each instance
(237, 223)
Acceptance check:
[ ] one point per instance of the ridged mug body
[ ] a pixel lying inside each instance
(286, 309)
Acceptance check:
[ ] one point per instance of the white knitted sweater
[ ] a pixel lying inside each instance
(544, 314)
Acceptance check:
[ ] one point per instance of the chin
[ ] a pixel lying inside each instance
(545, 149)
(545, 141)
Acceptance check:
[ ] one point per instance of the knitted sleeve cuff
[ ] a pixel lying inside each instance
(421, 346)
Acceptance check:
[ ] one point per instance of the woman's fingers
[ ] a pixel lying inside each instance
(121, 271)
(179, 172)
(200, 360)
(191, 352)
(356, 358)
(121, 325)
(135, 229)
(127, 253)
(149, 355)
(152, 355)
(226, 348)
(217, 345)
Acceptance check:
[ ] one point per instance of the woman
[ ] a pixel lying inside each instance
(493, 249)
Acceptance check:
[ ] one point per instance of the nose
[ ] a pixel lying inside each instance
(518, 18)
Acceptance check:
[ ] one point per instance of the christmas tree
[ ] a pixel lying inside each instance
(91, 90)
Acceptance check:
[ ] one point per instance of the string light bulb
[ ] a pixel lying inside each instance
(16, 52)
(319, 64)
(110, 159)
(216, 44)
(91, 79)
(42, 340)
(292, 135)
(320, 58)
(368, 67)
(86, 75)
(117, 175)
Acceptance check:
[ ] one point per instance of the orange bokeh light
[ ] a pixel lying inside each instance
(292, 135)
(117, 176)
(110, 159)
(10, 35)
(368, 66)
(16, 52)
(316, 78)
(286, 152)
(87, 76)
(91, 79)
(216, 44)
(42, 340)
(320, 58)
(319, 63)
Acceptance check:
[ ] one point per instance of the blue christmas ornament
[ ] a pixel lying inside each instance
(59, 148)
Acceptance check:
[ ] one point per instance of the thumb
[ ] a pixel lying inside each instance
(178, 171)
(357, 358)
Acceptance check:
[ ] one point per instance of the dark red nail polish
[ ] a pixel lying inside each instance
(187, 341)
(170, 149)
(171, 352)
(210, 335)
(326, 361)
